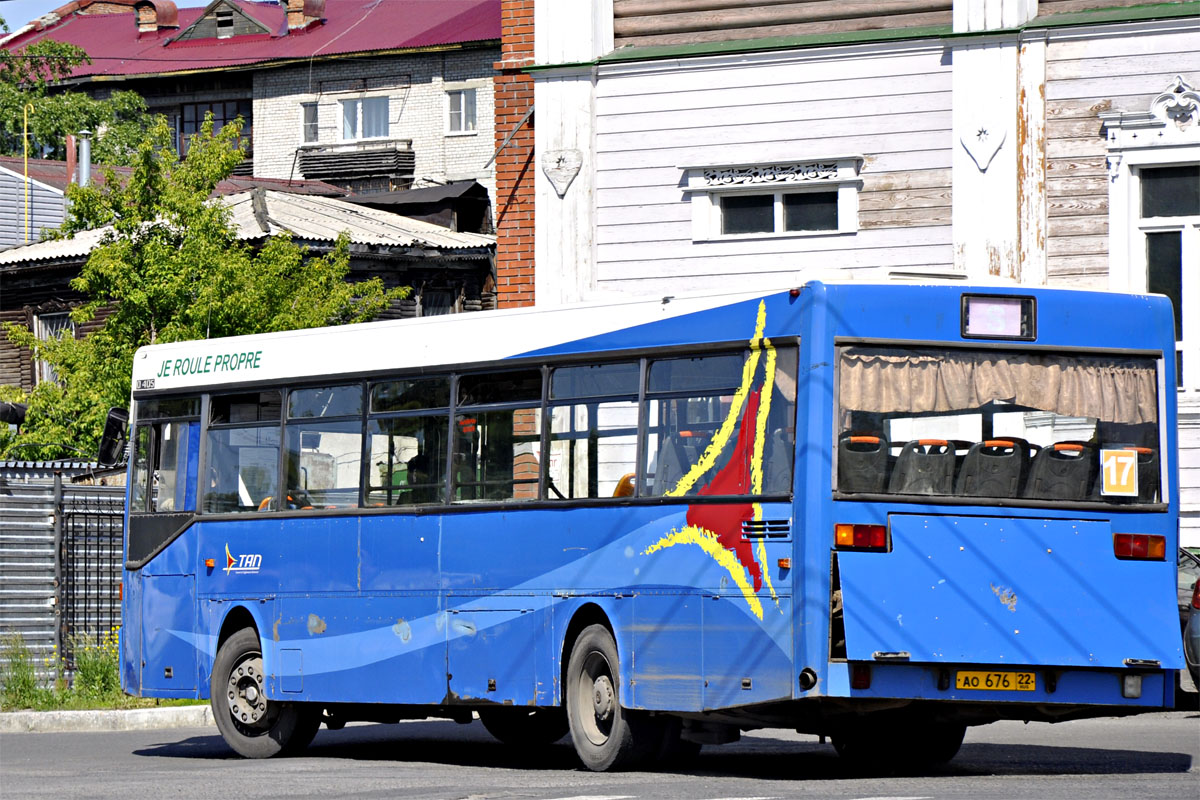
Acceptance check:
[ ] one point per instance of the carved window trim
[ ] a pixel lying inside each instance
(705, 186)
(1167, 134)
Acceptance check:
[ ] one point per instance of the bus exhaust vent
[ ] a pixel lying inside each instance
(766, 528)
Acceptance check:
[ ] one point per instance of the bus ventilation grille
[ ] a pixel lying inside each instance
(766, 528)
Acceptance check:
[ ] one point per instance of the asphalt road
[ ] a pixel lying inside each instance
(1152, 756)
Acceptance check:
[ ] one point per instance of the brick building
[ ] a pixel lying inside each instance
(369, 96)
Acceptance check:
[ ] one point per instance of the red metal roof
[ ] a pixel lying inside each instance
(118, 51)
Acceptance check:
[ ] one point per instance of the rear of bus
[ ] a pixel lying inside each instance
(1001, 535)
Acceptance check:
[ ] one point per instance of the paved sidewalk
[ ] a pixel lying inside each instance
(131, 720)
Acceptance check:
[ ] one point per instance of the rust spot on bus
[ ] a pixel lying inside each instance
(315, 624)
(1007, 596)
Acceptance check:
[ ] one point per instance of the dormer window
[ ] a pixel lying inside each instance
(224, 23)
(223, 20)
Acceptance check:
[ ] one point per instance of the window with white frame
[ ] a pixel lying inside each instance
(800, 198)
(365, 118)
(1154, 211)
(46, 327)
(461, 118)
(308, 122)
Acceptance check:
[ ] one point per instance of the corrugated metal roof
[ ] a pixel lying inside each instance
(117, 50)
(322, 219)
(426, 194)
(307, 217)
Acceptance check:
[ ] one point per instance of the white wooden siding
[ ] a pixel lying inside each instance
(889, 104)
(1119, 67)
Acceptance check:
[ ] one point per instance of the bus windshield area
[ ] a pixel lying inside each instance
(997, 424)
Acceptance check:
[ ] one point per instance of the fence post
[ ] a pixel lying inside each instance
(58, 568)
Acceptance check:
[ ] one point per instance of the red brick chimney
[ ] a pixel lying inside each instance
(302, 13)
(154, 14)
(515, 167)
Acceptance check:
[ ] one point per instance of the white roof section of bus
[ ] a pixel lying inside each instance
(484, 336)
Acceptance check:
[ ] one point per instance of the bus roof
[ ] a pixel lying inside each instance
(489, 337)
(414, 344)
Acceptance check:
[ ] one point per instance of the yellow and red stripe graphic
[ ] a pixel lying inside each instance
(717, 529)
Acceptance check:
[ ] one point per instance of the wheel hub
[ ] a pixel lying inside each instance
(603, 697)
(244, 691)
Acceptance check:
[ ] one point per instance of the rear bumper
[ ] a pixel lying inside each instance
(1053, 688)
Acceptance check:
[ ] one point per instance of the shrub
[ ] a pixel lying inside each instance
(19, 678)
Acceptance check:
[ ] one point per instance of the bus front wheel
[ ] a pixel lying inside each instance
(606, 736)
(251, 724)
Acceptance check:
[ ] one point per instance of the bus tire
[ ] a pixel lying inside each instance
(606, 736)
(525, 727)
(252, 725)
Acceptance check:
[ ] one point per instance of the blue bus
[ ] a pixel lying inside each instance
(877, 513)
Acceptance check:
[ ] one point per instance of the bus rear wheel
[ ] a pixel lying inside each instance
(525, 727)
(252, 725)
(606, 736)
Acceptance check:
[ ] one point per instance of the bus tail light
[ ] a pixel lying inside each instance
(860, 676)
(860, 537)
(1140, 546)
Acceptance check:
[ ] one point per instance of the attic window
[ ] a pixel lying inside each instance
(224, 23)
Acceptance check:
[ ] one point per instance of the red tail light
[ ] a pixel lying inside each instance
(860, 537)
(860, 676)
(1140, 546)
(1196, 595)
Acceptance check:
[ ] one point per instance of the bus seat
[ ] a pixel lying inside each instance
(993, 468)
(1149, 477)
(1062, 471)
(671, 466)
(862, 462)
(1149, 480)
(624, 486)
(924, 466)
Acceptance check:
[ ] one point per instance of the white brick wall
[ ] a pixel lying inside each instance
(416, 87)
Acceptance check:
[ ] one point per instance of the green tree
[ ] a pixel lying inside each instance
(170, 268)
(27, 96)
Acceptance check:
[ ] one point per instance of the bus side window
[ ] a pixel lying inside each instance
(243, 453)
(721, 425)
(593, 431)
(406, 442)
(324, 447)
(497, 437)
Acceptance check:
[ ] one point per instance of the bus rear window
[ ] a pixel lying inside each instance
(997, 424)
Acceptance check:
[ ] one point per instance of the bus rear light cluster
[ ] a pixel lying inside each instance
(860, 676)
(860, 537)
(1140, 546)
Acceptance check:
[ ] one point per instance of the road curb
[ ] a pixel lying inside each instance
(129, 720)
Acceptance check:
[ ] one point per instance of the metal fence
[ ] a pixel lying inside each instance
(60, 566)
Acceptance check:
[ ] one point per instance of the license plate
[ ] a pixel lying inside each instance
(996, 681)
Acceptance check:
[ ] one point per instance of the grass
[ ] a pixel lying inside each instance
(94, 684)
